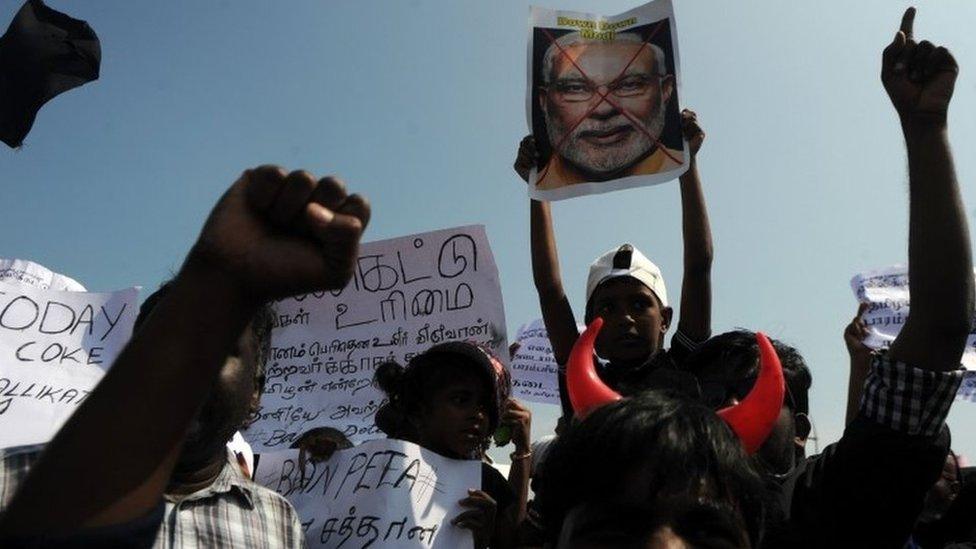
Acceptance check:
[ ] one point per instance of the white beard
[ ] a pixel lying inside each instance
(603, 162)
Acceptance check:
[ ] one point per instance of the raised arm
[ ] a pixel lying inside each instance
(271, 235)
(899, 430)
(860, 355)
(557, 314)
(919, 79)
(696, 285)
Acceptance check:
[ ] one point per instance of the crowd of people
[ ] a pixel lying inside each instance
(700, 444)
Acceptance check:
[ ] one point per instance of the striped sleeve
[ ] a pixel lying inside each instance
(908, 399)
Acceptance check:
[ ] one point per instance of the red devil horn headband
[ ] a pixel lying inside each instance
(586, 391)
(751, 420)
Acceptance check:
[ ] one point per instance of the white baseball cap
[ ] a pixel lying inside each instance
(626, 261)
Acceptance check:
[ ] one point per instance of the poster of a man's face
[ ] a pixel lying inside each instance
(603, 101)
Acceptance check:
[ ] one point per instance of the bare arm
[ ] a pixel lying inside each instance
(696, 286)
(111, 462)
(556, 310)
(860, 355)
(557, 314)
(920, 79)
(520, 419)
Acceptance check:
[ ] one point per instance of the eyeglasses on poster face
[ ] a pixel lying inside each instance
(581, 90)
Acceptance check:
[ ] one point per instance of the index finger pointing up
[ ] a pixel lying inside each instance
(907, 22)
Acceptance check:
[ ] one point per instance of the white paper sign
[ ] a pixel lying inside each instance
(967, 391)
(383, 493)
(406, 295)
(886, 292)
(54, 348)
(602, 100)
(21, 272)
(534, 368)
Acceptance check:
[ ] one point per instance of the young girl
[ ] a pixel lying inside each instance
(450, 399)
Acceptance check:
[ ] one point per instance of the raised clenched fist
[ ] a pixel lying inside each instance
(275, 234)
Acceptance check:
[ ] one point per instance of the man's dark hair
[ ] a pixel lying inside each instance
(694, 463)
(738, 354)
(261, 325)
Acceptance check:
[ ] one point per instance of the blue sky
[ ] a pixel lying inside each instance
(420, 105)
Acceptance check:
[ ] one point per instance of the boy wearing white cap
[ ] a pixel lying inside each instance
(627, 290)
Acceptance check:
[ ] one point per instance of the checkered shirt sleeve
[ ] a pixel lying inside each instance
(908, 399)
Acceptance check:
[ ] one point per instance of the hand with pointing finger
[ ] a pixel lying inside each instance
(918, 76)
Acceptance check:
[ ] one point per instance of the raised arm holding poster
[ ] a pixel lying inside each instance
(384, 493)
(602, 100)
(886, 293)
(54, 348)
(406, 295)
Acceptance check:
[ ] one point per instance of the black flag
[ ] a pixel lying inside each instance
(43, 53)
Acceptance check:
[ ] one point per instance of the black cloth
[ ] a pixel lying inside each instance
(496, 486)
(43, 53)
(864, 491)
(135, 534)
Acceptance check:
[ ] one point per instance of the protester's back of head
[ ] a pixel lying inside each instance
(638, 465)
(734, 357)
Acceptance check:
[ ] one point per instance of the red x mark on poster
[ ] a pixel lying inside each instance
(603, 96)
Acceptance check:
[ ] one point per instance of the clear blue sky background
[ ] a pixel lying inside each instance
(420, 105)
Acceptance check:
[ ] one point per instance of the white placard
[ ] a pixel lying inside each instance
(54, 348)
(383, 493)
(886, 293)
(406, 295)
(534, 368)
(22, 272)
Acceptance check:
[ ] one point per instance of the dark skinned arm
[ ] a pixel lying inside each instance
(271, 235)
(919, 79)
(696, 284)
(557, 314)
(860, 355)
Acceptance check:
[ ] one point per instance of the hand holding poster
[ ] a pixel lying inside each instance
(54, 348)
(383, 493)
(534, 369)
(406, 295)
(602, 100)
(886, 293)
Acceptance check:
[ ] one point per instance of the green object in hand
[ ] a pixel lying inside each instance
(503, 435)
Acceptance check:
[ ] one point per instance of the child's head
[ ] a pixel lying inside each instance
(447, 399)
(627, 290)
(643, 466)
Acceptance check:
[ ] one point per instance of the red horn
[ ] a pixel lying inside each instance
(752, 419)
(587, 391)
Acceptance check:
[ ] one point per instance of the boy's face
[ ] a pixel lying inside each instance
(454, 422)
(634, 322)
